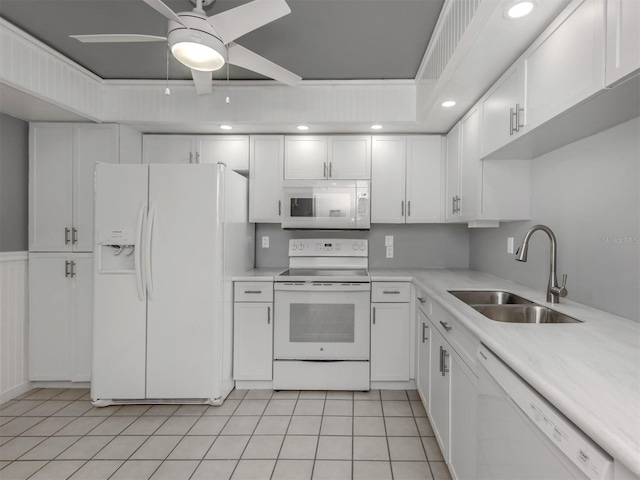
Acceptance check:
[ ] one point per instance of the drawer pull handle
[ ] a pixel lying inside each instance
(445, 325)
(268, 315)
(391, 292)
(253, 291)
(424, 331)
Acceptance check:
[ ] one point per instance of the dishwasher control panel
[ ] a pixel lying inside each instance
(572, 442)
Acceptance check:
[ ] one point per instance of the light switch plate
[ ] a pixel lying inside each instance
(388, 240)
(509, 244)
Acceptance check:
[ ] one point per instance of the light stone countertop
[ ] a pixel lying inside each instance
(589, 371)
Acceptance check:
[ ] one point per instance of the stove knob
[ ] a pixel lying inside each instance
(293, 246)
(362, 246)
(301, 246)
(355, 246)
(338, 246)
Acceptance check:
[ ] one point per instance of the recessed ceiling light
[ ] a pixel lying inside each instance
(226, 127)
(519, 9)
(376, 126)
(302, 127)
(448, 104)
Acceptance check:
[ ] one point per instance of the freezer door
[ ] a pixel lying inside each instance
(119, 308)
(184, 282)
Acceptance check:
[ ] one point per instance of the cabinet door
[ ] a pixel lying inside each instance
(50, 296)
(91, 144)
(623, 39)
(498, 108)
(439, 389)
(453, 175)
(232, 150)
(470, 167)
(424, 351)
(464, 408)
(350, 157)
(82, 316)
(388, 173)
(424, 179)
(50, 187)
(253, 341)
(390, 342)
(265, 178)
(573, 52)
(305, 157)
(168, 149)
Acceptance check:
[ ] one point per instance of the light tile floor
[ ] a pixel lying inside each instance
(255, 435)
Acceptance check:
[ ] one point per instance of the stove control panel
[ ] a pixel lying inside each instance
(332, 247)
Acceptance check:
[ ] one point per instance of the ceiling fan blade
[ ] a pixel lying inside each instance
(243, 19)
(161, 8)
(202, 81)
(244, 58)
(118, 38)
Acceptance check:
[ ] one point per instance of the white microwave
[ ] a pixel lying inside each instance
(330, 204)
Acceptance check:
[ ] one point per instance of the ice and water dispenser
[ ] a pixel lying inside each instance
(116, 252)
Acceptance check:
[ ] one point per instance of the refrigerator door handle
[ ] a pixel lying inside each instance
(137, 254)
(147, 251)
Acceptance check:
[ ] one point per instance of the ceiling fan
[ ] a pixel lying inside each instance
(205, 44)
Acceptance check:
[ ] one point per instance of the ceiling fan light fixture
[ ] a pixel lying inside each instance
(198, 56)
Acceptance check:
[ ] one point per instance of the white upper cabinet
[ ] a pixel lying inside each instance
(311, 157)
(623, 40)
(406, 179)
(169, 149)
(232, 150)
(424, 192)
(61, 165)
(388, 176)
(350, 157)
(483, 192)
(566, 64)
(502, 110)
(306, 157)
(266, 159)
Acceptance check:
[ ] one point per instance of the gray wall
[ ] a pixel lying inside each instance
(14, 184)
(438, 246)
(587, 193)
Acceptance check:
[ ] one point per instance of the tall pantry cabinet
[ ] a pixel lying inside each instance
(61, 173)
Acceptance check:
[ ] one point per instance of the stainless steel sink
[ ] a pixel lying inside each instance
(507, 307)
(488, 297)
(524, 314)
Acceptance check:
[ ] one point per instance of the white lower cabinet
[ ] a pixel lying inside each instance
(423, 350)
(253, 331)
(60, 316)
(463, 408)
(390, 342)
(439, 389)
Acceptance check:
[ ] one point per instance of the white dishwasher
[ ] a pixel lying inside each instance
(521, 436)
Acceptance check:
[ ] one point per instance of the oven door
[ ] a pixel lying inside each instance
(325, 204)
(321, 321)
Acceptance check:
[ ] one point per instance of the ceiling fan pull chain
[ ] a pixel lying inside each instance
(166, 90)
(227, 99)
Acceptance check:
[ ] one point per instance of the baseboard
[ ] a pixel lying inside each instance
(60, 384)
(410, 385)
(16, 391)
(254, 385)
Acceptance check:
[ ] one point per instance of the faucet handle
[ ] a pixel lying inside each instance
(562, 291)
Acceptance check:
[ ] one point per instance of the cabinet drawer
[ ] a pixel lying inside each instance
(390, 292)
(253, 292)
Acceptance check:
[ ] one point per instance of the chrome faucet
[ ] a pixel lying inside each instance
(554, 291)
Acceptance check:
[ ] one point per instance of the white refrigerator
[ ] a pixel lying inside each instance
(168, 239)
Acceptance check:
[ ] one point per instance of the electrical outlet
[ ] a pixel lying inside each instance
(509, 244)
(265, 242)
(389, 252)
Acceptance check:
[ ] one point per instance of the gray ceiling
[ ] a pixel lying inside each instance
(318, 40)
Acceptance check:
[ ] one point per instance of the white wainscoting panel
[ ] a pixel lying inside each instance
(14, 301)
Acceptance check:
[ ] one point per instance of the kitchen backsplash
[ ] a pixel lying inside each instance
(418, 246)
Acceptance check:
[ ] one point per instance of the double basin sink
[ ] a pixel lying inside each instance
(507, 307)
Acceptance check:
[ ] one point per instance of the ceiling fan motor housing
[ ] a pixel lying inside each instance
(198, 47)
